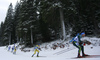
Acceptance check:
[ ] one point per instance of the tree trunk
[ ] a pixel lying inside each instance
(31, 37)
(62, 24)
(10, 38)
(17, 39)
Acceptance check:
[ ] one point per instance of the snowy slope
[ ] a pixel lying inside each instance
(50, 54)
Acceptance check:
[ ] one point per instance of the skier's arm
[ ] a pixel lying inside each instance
(40, 49)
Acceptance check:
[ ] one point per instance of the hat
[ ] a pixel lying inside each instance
(82, 33)
(36, 45)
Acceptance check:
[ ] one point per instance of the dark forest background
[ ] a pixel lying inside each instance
(34, 21)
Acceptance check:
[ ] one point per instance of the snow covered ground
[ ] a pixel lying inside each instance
(66, 53)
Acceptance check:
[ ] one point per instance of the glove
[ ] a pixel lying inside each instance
(40, 49)
(84, 44)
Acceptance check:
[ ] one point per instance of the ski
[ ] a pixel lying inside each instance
(63, 51)
(90, 56)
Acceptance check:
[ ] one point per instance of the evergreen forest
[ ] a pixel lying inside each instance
(36, 21)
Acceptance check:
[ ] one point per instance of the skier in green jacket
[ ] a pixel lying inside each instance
(79, 44)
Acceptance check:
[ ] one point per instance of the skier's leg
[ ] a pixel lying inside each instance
(38, 53)
(78, 50)
(82, 50)
(34, 53)
(14, 51)
(83, 54)
(77, 47)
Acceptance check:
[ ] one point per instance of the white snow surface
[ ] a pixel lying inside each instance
(50, 54)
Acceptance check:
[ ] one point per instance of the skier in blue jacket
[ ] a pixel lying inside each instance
(9, 48)
(79, 44)
(13, 48)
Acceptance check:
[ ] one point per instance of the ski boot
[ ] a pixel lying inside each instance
(79, 56)
(84, 55)
(32, 55)
(37, 54)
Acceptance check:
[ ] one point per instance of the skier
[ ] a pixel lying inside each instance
(79, 44)
(9, 48)
(14, 50)
(36, 49)
(6, 46)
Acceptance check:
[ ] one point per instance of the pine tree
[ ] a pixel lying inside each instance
(8, 25)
